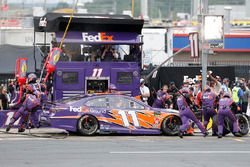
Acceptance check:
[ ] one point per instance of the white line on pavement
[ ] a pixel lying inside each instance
(20, 138)
(239, 140)
(180, 152)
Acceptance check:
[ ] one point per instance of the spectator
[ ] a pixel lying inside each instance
(197, 87)
(173, 91)
(136, 53)
(4, 99)
(93, 57)
(237, 94)
(245, 97)
(145, 93)
(108, 53)
(225, 86)
(117, 55)
(215, 85)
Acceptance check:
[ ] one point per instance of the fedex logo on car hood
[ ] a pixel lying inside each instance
(101, 36)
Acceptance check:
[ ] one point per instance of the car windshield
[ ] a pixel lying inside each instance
(124, 102)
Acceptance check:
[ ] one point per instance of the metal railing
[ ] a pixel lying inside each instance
(16, 22)
(182, 63)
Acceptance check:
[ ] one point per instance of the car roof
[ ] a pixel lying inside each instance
(90, 96)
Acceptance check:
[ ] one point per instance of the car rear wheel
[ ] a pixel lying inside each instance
(87, 125)
(242, 123)
(171, 125)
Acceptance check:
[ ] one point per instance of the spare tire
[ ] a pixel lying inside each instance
(170, 125)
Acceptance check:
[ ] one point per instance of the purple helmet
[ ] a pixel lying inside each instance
(112, 87)
(226, 94)
(43, 87)
(185, 90)
(29, 88)
(207, 88)
(32, 78)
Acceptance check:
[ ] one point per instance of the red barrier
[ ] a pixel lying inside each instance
(53, 58)
(21, 70)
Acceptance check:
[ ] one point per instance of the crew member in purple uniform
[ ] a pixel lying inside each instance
(161, 97)
(32, 82)
(226, 108)
(35, 115)
(186, 113)
(29, 106)
(208, 100)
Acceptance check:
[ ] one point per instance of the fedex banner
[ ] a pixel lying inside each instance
(100, 37)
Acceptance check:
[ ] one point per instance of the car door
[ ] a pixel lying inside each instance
(133, 116)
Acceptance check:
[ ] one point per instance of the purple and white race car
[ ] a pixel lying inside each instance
(106, 113)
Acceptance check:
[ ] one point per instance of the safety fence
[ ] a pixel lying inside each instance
(16, 22)
(183, 63)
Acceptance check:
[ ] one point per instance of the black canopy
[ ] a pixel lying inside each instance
(89, 22)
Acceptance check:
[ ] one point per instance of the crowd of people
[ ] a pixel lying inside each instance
(105, 53)
(217, 98)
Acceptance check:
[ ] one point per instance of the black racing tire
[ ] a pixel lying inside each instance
(170, 125)
(226, 126)
(243, 124)
(87, 125)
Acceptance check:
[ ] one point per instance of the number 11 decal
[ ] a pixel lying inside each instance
(97, 72)
(125, 118)
(9, 116)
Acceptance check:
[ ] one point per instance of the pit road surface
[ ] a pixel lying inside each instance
(122, 151)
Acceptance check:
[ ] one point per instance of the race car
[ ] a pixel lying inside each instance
(112, 113)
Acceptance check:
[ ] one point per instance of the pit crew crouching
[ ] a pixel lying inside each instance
(29, 107)
(186, 113)
(226, 108)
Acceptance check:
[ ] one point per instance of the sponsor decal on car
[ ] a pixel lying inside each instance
(86, 110)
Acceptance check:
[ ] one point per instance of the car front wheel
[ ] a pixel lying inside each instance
(171, 125)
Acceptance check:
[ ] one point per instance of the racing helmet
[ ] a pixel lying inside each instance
(43, 87)
(112, 87)
(207, 88)
(226, 94)
(185, 90)
(32, 78)
(29, 88)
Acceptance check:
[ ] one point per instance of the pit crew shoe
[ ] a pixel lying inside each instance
(205, 134)
(180, 134)
(237, 134)
(8, 128)
(21, 129)
(214, 134)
